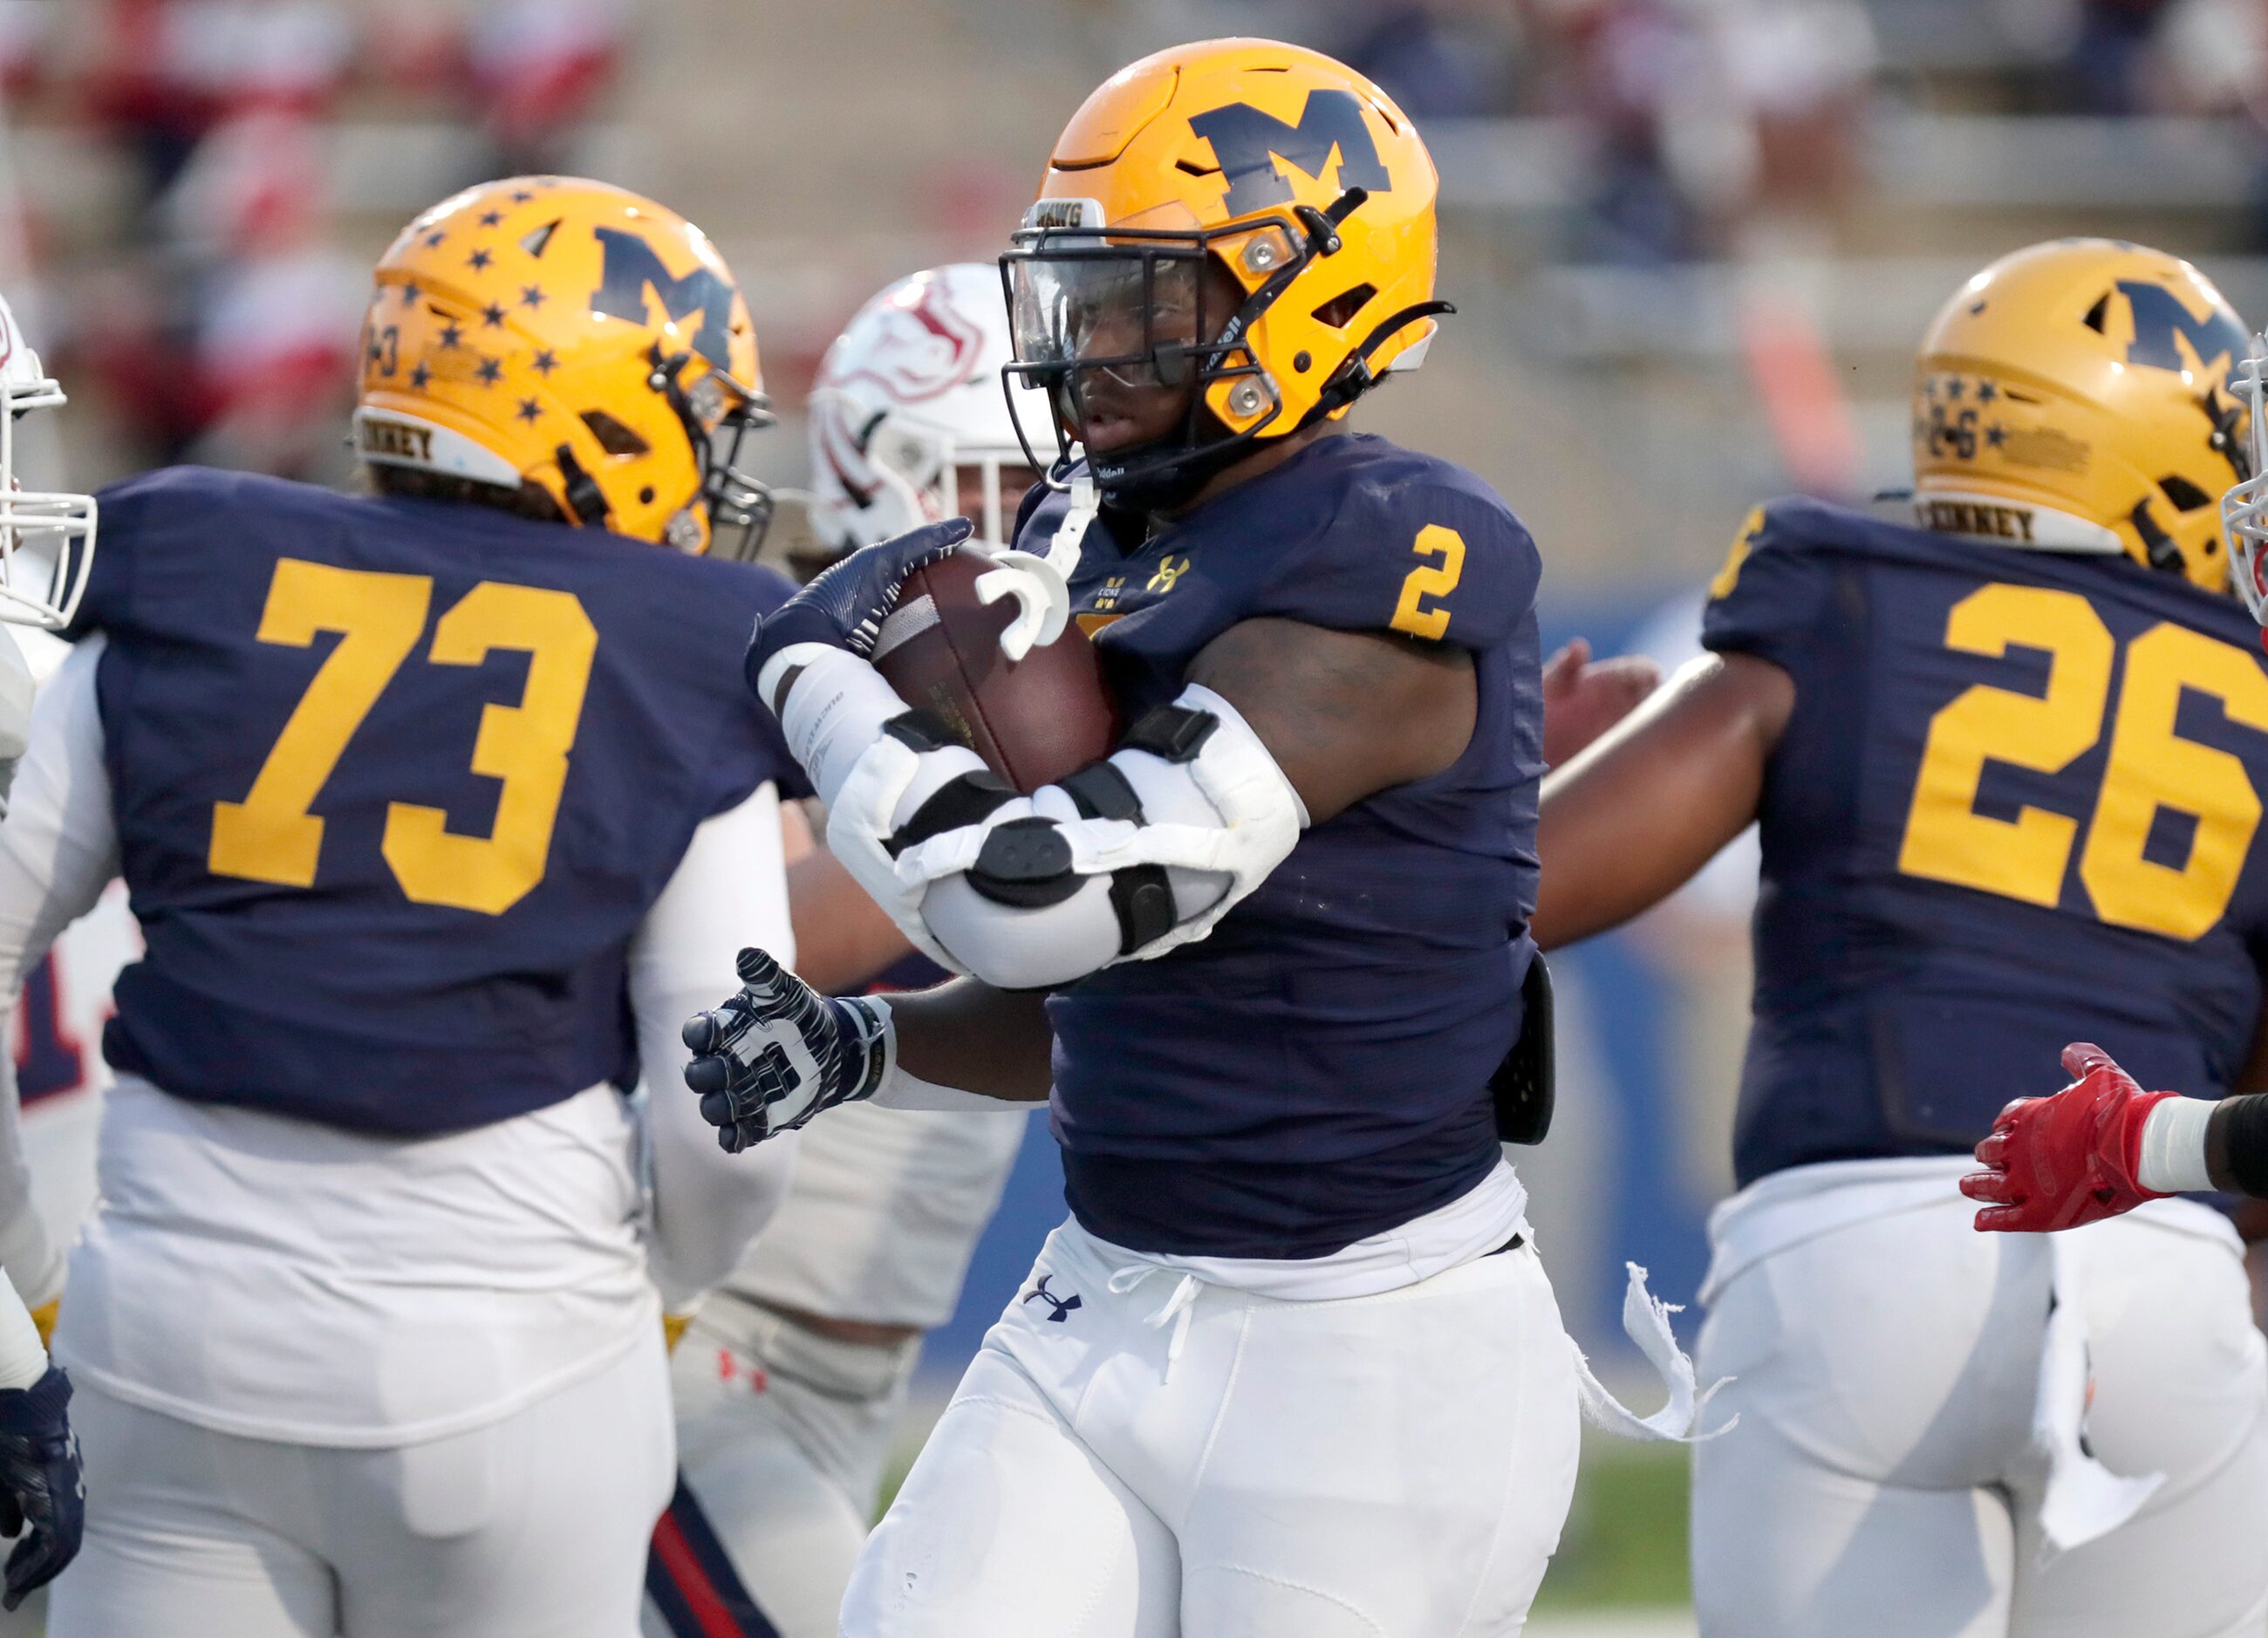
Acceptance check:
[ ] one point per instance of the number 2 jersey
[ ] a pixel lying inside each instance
(1315, 1071)
(395, 783)
(2015, 805)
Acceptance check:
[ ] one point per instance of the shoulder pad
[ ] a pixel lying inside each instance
(1410, 543)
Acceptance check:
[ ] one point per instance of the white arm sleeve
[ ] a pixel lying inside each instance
(1122, 860)
(58, 851)
(729, 890)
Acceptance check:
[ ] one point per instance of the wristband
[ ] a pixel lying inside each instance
(23, 1361)
(2173, 1147)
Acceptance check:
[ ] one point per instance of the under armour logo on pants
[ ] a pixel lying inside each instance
(1059, 1307)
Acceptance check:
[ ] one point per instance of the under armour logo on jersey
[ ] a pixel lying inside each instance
(1248, 144)
(1168, 572)
(1058, 1307)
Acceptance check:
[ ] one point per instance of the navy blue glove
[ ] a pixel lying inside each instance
(844, 606)
(41, 1495)
(777, 1053)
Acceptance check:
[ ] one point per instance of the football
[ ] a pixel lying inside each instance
(1034, 720)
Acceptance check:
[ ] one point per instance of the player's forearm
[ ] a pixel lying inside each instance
(842, 937)
(1630, 820)
(2188, 1145)
(972, 1038)
(2235, 1143)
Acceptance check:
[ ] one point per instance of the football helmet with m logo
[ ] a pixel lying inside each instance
(1248, 222)
(2075, 396)
(566, 335)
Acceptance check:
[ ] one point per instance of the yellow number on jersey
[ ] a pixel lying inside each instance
(272, 836)
(1729, 574)
(1411, 614)
(2150, 768)
(525, 745)
(1947, 840)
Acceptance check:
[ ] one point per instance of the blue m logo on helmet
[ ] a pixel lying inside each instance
(1250, 143)
(633, 266)
(2160, 316)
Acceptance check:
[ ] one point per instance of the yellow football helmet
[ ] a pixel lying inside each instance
(566, 335)
(2074, 397)
(1290, 174)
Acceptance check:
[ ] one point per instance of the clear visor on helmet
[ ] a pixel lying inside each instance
(47, 538)
(1127, 332)
(2244, 509)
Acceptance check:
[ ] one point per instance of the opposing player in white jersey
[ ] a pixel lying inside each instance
(47, 546)
(792, 1378)
(430, 811)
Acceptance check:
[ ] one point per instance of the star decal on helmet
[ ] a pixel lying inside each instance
(490, 372)
(478, 262)
(545, 361)
(1995, 436)
(420, 376)
(531, 296)
(492, 317)
(452, 336)
(520, 196)
(410, 293)
(530, 411)
(491, 218)
(1987, 391)
(433, 239)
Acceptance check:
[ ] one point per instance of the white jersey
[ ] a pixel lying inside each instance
(277, 1279)
(56, 1043)
(883, 1215)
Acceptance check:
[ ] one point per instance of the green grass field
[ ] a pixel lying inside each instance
(1625, 1544)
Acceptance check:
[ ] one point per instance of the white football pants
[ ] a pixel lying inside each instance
(532, 1527)
(1882, 1483)
(1172, 1456)
(781, 1440)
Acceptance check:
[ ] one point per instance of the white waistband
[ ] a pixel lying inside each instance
(1801, 1203)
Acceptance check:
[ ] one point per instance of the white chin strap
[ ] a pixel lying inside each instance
(2244, 509)
(1041, 584)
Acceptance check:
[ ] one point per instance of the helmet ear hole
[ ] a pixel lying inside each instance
(1339, 311)
(2098, 315)
(613, 436)
(2185, 495)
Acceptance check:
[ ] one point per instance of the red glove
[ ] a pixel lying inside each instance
(2056, 1163)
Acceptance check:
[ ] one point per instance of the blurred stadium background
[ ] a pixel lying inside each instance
(1693, 242)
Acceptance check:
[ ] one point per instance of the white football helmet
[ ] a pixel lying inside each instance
(2244, 508)
(47, 537)
(910, 417)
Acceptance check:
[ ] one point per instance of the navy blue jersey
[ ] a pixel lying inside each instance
(2014, 806)
(1315, 1071)
(395, 783)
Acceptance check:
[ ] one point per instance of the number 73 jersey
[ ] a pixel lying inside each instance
(395, 783)
(2018, 803)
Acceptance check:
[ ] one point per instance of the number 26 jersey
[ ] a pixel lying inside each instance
(2016, 805)
(396, 782)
